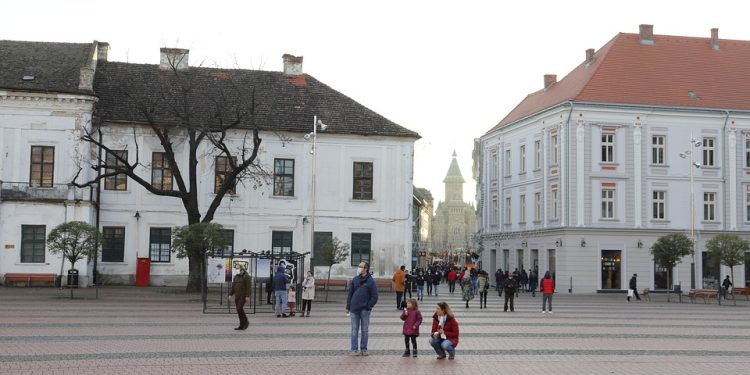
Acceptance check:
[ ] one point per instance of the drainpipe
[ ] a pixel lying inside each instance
(97, 204)
(725, 169)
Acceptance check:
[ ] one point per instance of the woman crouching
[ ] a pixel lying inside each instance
(444, 331)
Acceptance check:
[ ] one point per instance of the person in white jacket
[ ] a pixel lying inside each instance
(308, 294)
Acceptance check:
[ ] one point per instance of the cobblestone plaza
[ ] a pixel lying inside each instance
(163, 331)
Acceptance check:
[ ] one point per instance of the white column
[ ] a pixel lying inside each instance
(637, 179)
(732, 145)
(562, 175)
(580, 173)
(545, 177)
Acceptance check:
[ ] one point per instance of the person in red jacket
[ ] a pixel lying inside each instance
(444, 331)
(452, 280)
(547, 287)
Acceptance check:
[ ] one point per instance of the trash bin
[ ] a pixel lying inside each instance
(677, 289)
(73, 278)
(143, 272)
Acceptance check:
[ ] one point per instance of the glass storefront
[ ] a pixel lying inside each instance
(660, 277)
(611, 272)
(710, 271)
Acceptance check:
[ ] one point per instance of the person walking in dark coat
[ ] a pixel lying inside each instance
(499, 282)
(241, 293)
(436, 276)
(280, 279)
(362, 297)
(726, 284)
(510, 287)
(533, 280)
(634, 287)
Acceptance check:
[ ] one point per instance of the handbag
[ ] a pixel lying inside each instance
(630, 293)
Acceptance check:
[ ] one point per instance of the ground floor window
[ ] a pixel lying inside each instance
(33, 243)
(611, 269)
(361, 243)
(160, 245)
(321, 238)
(747, 269)
(660, 277)
(710, 271)
(281, 242)
(113, 246)
(228, 249)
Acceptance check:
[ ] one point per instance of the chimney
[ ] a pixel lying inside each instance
(589, 55)
(292, 64)
(715, 39)
(549, 80)
(86, 79)
(102, 50)
(647, 34)
(173, 58)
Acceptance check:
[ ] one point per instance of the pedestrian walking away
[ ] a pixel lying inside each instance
(436, 275)
(280, 279)
(483, 285)
(241, 293)
(727, 284)
(420, 284)
(362, 297)
(308, 294)
(412, 318)
(499, 282)
(633, 286)
(467, 290)
(510, 286)
(444, 337)
(547, 287)
(399, 278)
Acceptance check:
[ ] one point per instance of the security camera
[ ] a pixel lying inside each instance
(322, 125)
(697, 165)
(683, 155)
(698, 144)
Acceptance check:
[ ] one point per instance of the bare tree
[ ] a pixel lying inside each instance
(194, 112)
(333, 252)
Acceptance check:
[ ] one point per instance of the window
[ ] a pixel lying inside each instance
(493, 165)
(507, 211)
(160, 245)
(228, 249)
(494, 213)
(362, 181)
(522, 207)
(747, 152)
(709, 147)
(709, 206)
(537, 206)
(113, 246)
(659, 204)
(281, 242)
(283, 177)
(360, 248)
(554, 149)
(321, 239)
(161, 173)
(522, 160)
(42, 166)
(608, 203)
(747, 206)
(118, 160)
(507, 163)
(222, 170)
(657, 149)
(537, 154)
(554, 204)
(33, 242)
(608, 148)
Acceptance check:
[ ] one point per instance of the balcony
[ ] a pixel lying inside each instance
(23, 191)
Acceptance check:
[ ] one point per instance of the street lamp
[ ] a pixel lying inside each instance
(689, 152)
(314, 135)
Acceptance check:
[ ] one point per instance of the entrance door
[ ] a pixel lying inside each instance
(535, 260)
(660, 277)
(519, 259)
(611, 271)
(710, 271)
(551, 263)
(493, 261)
(506, 259)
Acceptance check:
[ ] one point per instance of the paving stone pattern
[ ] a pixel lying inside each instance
(163, 331)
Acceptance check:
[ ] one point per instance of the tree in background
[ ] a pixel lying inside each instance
(729, 249)
(333, 252)
(75, 240)
(669, 250)
(196, 241)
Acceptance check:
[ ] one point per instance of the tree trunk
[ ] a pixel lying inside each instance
(195, 265)
(327, 280)
(669, 282)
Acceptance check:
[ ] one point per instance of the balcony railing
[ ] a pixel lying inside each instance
(24, 191)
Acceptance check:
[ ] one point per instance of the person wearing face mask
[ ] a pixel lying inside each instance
(362, 297)
(241, 293)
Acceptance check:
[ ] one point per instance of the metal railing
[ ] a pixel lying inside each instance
(25, 191)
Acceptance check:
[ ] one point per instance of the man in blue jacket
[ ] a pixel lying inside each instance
(362, 297)
(280, 279)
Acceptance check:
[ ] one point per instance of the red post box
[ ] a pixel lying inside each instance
(143, 272)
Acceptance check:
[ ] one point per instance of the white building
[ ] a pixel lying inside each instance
(583, 176)
(363, 177)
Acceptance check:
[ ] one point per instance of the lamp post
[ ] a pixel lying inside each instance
(314, 135)
(689, 152)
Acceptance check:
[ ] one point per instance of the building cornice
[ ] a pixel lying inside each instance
(25, 96)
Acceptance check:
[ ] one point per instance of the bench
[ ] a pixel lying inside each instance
(382, 284)
(706, 294)
(741, 292)
(28, 278)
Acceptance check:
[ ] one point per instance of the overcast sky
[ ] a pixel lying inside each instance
(448, 70)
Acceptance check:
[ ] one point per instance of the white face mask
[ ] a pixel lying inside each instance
(359, 270)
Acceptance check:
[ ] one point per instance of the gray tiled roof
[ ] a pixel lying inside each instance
(283, 102)
(54, 66)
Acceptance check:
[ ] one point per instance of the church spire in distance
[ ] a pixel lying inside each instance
(454, 182)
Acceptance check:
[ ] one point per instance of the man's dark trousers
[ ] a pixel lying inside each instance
(511, 297)
(239, 303)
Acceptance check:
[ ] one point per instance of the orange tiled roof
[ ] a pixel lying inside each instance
(624, 71)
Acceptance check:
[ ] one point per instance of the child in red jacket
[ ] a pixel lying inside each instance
(412, 318)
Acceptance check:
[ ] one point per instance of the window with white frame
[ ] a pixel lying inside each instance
(507, 211)
(522, 159)
(747, 206)
(608, 148)
(608, 203)
(537, 154)
(747, 152)
(494, 213)
(493, 165)
(507, 163)
(657, 149)
(522, 207)
(709, 149)
(554, 204)
(709, 206)
(537, 206)
(554, 149)
(659, 205)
